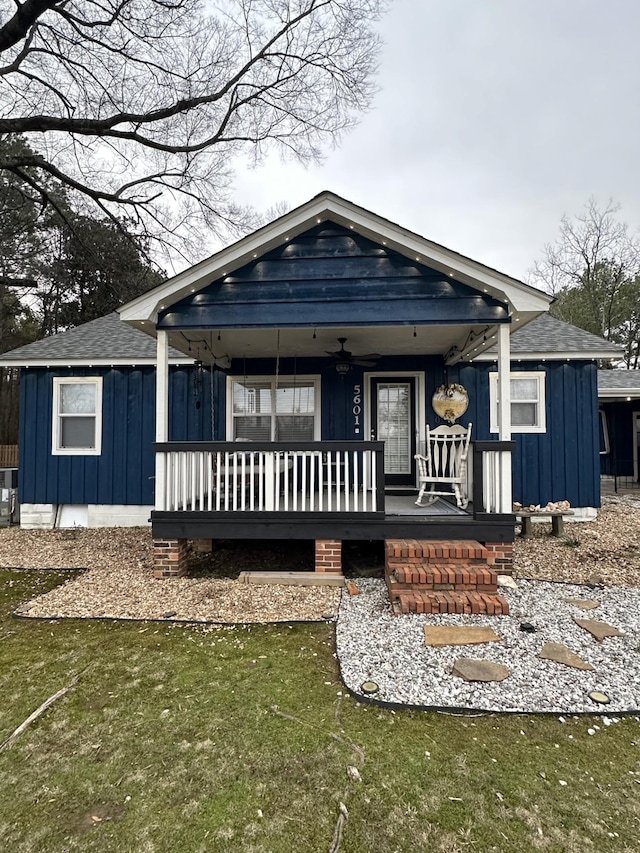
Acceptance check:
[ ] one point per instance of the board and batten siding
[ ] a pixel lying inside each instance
(123, 472)
(619, 461)
(562, 463)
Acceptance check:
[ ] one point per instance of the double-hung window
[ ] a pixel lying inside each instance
(527, 401)
(264, 409)
(77, 415)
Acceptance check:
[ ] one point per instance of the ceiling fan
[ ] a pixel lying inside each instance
(344, 359)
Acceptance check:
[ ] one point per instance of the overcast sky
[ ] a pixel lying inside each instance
(494, 118)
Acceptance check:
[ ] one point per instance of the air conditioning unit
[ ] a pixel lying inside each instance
(8, 495)
(8, 478)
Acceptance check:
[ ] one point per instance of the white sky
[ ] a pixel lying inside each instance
(495, 117)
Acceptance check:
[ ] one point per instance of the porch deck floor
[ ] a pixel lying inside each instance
(406, 505)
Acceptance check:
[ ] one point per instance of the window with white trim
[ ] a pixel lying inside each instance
(527, 401)
(265, 410)
(77, 415)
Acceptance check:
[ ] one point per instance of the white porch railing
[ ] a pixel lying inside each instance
(492, 489)
(267, 477)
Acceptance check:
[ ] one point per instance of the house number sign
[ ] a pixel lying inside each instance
(357, 408)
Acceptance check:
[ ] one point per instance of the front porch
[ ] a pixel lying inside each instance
(307, 437)
(324, 491)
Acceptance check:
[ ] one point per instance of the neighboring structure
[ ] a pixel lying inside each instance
(619, 398)
(320, 339)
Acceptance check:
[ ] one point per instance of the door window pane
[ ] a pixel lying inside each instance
(393, 426)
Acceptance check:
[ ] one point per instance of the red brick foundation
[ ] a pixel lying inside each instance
(500, 556)
(328, 555)
(169, 558)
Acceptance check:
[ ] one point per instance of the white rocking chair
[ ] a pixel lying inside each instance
(445, 465)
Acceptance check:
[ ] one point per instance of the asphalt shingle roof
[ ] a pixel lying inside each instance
(548, 334)
(621, 381)
(106, 338)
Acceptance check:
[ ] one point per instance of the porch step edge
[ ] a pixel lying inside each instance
(490, 604)
(435, 550)
(445, 577)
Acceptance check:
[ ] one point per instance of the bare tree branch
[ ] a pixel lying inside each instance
(147, 104)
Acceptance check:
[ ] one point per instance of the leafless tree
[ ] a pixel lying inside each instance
(145, 105)
(585, 242)
(593, 270)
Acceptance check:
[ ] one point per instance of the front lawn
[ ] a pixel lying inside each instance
(239, 739)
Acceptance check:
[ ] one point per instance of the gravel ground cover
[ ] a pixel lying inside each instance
(118, 580)
(605, 551)
(373, 645)
(119, 583)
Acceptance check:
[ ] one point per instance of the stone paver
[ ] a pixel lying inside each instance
(471, 669)
(600, 630)
(583, 603)
(458, 635)
(560, 653)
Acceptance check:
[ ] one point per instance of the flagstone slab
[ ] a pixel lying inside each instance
(559, 653)
(600, 630)
(458, 635)
(472, 669)
(583, 603)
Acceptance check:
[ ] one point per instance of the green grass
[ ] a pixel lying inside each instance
(170, 742)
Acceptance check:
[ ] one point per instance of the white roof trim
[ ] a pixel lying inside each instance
(618, 394)
(560, 355)
(323, 207)
(87, 362)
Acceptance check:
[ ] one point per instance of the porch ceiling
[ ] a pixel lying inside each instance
(207, 345)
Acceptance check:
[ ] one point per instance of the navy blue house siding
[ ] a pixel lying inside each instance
(619, 460)
(325, 275)
(123, 472)
(562, 463)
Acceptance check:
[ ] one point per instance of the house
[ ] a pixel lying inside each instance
(619, 399)
(281, 388)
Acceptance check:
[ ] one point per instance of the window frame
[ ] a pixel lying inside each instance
(310, 378)
(540, 402)
(56, 433)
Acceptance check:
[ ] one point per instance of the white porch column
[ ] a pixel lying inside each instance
(162, 414)
(504, 417)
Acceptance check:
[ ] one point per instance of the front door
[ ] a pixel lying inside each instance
(393, 403)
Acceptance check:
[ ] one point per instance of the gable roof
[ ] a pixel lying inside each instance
(618, 384)
(525, 300)
(550, 338)
(105, 341)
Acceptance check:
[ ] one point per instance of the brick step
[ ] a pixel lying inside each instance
(465, 582)
(413, 601)
(480, 578)
(435, 551)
